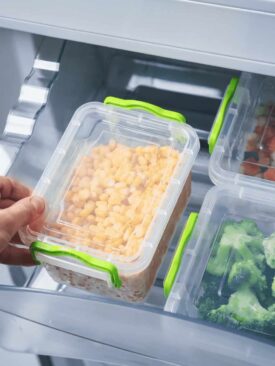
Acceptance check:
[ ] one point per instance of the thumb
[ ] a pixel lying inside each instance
(19, 215)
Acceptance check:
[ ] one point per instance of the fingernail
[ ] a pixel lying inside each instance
(38, 204)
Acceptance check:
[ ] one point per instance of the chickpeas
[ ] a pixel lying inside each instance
(114, 194)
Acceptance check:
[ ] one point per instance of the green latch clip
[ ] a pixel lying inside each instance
(147, 107)
(217, 126)
(89, 261)
(176, 261)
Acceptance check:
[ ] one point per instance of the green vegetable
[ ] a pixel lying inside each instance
(244, 311)
(273, 287)
(206, 304)
(247, 273)
(211, 297)
(269, 250)
(239, 241)
(272, 308)
(251, 228)
(256, 236)
(259, 260)
(239, 279)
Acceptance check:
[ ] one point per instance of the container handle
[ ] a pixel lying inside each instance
(218, 123)
(95, 263)
(176, 261)
(148, 107)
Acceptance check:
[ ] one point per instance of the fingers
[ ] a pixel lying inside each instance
(16, 256)
(5, 203)
(18, 215)
(16, 239)
(13, 190)
(17, 210)
(37, 224)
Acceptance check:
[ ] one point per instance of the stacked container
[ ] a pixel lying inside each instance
(115, 188)
(227, 274)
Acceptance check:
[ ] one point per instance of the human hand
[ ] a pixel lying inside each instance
(17, 209)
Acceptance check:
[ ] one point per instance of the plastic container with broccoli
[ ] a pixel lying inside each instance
(245, 150)
(227, 275)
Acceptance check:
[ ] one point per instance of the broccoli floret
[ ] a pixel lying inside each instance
(273, 287)
(269, 250)
(255, 240)
(217, 265)
(255, 244)
(272, 308)
(259, 260)
(210, 284)
(206, 304)
(223, 316)
(247, 273)
(244, 311)
(251, 228)
(210, 299)
(237, 242)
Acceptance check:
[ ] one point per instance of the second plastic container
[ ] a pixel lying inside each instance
(226, 265)
(244, 151)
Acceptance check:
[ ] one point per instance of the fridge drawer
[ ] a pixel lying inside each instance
(40, 316)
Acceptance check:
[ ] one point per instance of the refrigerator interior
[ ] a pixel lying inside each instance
(37, 315)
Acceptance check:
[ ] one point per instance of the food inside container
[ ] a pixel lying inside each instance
(229, 272)
(244, 153)
(259, 155)
(110, 193)
(239, 283)
(115, 188)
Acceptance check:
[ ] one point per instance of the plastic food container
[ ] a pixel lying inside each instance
(115, 188)
(209, 279)
(244, 153)
(223, 270)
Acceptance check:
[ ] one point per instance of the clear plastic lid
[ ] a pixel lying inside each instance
(227, 275)
(113, 182)
(245, 150)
